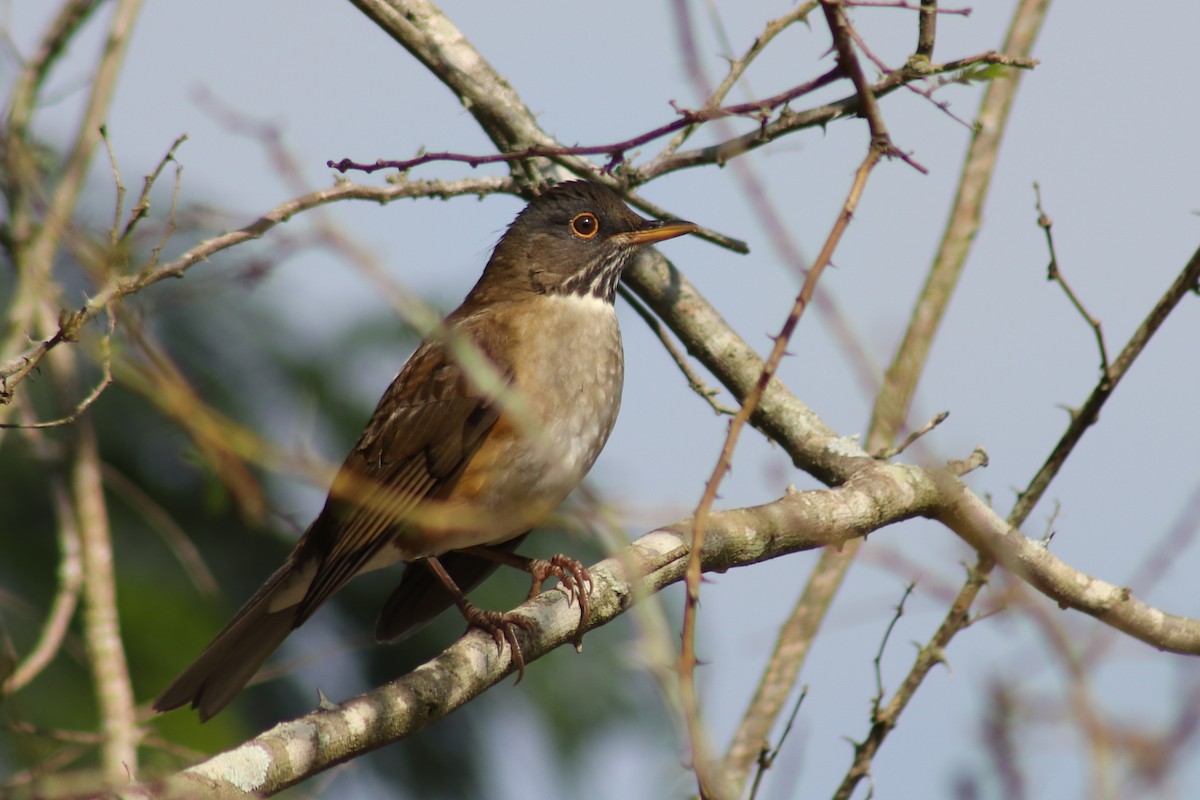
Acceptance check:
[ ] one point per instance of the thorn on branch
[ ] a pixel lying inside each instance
(70, 323)
(1048, 536)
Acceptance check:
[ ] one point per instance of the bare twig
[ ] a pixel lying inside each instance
(694, 382)
(142, 206)
(1053, 273)
(738, 67)
(615, 151)
(789, 121)
(91, 397)
(1186, 282)
(844, 36)
(892, 452)
(766, 758)
(66, 597)
(35, 305)
(887, 635)
(958, 618)
(687, 659)
(960, 467)
(786, 122)
(220, 443)
(895, 399)
(16, 368)
(34, 241)
(801, 627)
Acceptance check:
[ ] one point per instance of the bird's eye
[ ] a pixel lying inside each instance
(585, 225)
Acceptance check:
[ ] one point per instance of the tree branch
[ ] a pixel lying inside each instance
(877, 497)
(894, 400)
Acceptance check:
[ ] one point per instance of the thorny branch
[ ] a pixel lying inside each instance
(894, 400)
(629, 175)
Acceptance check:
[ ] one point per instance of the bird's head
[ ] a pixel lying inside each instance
(574, 238)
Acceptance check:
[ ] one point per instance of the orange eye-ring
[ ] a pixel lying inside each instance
(585, 225)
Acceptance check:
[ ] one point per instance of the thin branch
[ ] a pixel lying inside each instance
(91, 397)
(20, 162)
(927, 28)
(1187, 282)
(18, 367)
(894, 401)
(632, 175)
(783, 668)
(789, 121)
(38, 257)
(960, 467)
(877, 661)
(1001, 743)
(1030, 555)
(687, 658)
(33, 242)
(1053, 273)
(66, 597)
(142, 206)
(161, 381)
(709, 395)
(842, 33)
(892, 452)
(739, 66)
(919, 64)
(767, 757)
(101, 624)
(35, 308)
(1079, 693)
(878, 496)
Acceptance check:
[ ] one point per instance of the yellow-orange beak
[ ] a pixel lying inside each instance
(656, 231)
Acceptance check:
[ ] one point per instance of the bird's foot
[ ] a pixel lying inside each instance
(502, 625)
(573, 578)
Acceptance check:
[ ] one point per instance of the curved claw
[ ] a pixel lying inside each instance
(573, 578)
(503, 628)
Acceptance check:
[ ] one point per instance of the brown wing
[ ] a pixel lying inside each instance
(426, 427)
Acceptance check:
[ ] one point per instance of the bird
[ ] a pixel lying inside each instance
(459, 461)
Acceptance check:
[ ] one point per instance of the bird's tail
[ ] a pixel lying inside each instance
(232, 658)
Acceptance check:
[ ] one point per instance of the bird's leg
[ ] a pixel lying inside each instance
(501, 625)
(573, 576)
